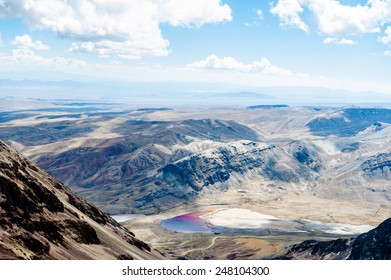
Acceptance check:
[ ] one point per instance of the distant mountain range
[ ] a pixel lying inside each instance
(267, 106)
(173, 93)
(148, 166)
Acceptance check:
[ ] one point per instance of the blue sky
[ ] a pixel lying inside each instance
(327, 43)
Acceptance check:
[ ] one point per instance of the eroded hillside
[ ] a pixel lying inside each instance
(43, 219)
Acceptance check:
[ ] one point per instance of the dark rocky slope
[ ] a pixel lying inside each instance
(377, 167)
(349, 121)
(40, 218)
(373, 245)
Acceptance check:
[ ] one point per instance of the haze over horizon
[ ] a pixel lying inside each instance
(250, 44)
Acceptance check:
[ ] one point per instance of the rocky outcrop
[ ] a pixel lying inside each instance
(373, 245)
(305, 153)
(349, 122)
(218, 168)
(377, 167)
(42, 219)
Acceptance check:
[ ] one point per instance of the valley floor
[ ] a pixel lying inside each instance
(252, 244)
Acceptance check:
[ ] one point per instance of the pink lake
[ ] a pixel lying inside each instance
(188, 223)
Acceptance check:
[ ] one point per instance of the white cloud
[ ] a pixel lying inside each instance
(24, 62)
(229, 63)
(28, 59)
(333, 18)
(26, 42)
(387, 53)
(193, 13)
(265, 67)
(339, 41)
(225, 63)
(336, 19)
(289, 13)
(257, 20)
(127, 28)
(386, 39)
(259, 14)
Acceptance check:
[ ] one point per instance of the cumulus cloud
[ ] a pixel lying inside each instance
(289, 13)
(225, 63)
(340, 20)
(24, 54)
(386, 39)
(333, 18)
(229, 63)
(26, 41)
(128, 28)
(192, 13)
(339, 41)
(387, 53)
(30, 60)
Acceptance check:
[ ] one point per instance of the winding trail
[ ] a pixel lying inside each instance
(202, 249)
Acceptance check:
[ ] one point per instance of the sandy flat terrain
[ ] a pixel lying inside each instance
(238, 218)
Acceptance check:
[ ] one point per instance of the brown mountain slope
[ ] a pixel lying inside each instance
(40, 218)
